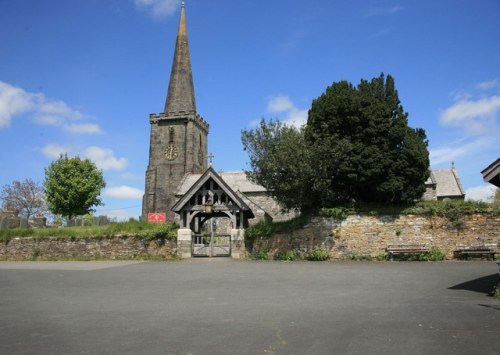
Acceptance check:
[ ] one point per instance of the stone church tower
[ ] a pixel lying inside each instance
(178, 139)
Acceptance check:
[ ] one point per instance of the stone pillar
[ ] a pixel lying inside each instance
(238, 250)
(184, 238)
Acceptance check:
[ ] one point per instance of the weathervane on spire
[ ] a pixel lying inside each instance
(182, 3)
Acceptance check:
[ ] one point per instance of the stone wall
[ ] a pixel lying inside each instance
(368, 236)
(120, 247)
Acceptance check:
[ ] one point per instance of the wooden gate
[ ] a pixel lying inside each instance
(211, 246)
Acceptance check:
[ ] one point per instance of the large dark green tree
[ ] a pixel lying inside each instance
(363, 148)
(73, 186)
(357, 147)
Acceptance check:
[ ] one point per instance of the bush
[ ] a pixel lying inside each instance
(436, 254)
(318, 254)
(290, 255)
(261, 255)
(268, 228)
(338, 213)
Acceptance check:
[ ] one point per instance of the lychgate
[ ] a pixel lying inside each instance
(208, 200)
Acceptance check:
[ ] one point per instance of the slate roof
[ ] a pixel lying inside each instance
(447, 183)
(237, 181)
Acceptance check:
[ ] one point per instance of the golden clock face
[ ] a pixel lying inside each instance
(171, 152)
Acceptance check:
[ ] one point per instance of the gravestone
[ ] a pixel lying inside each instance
(4, 223)
(23, 223)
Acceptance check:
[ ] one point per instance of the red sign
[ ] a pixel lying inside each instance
(160, 217)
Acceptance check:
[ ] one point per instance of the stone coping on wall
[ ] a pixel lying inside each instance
(117, 247)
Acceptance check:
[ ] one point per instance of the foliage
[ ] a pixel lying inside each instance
(134, 228)
(159, 233)
(73, 186)
(435, 254)
(280, 161)
(453, 210)
(268, 228)
(356, 147)
(338, 213)
(289, 255)
(26, 197)
(496, 292)
(261, 255)
(318, 254)
(373, 155)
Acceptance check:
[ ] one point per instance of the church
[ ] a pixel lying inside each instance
(180, 184)
(182, 187)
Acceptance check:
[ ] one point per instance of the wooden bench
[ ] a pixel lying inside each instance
(475, 251)
(393, 250)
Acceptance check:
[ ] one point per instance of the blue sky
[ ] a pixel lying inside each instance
(82, 76)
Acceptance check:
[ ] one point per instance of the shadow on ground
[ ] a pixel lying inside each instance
(484, 285)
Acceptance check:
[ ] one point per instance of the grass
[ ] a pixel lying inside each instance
(137, 229)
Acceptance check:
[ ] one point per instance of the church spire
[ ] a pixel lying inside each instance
(180, 96)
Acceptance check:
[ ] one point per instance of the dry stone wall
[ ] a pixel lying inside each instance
(369, 236)
(120, 247)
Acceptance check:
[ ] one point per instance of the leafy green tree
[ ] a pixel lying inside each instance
(357, 147)
(26, 197)
(280, 161)
(73, 186)
(362, 145)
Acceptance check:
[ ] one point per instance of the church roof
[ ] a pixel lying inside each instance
(199, 185)
(180, 97)
(447, 183)
(237, 181)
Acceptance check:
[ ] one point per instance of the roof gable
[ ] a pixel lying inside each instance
(200, 184)
(447, 183)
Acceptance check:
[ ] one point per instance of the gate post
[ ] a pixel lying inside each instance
(238, 250)
(184, 240)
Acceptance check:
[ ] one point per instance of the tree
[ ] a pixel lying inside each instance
(280, 161)
(372, 155)
(356, 147)
(25, 197)
(73, 186)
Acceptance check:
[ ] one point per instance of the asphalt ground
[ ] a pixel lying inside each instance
(223, 306)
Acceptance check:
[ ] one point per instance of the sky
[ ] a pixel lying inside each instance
(82, 76)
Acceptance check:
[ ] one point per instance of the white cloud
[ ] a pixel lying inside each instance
(158, 8)
(124, 192)
(451, 152)
(15, 101)
(53, 150)
(475, 117)
(280, 104)
(105, 158)
(484, 193)
(489, 85)
(383, 11)
(87, 128)
(121, 214)
(290, 114)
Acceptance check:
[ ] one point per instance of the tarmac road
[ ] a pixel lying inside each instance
(223, 306)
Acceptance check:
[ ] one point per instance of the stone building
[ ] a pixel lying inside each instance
(180, 183)
(444, 185)
(179, 135)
